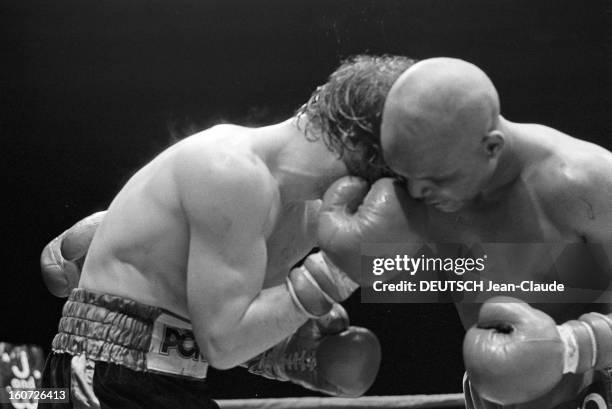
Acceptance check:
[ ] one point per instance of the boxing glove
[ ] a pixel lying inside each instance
(353, 213)
(325, 355)
(61, 260)
(516, 353)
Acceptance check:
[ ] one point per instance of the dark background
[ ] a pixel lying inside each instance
(91, 90)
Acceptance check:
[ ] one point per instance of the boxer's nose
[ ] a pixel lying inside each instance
(419, 189)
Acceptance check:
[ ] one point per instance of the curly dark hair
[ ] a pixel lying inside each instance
(346, 112)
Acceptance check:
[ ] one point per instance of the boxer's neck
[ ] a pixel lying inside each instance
(303, 167)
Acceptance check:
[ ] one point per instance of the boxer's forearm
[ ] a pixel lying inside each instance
(311, 291)
(271, 317)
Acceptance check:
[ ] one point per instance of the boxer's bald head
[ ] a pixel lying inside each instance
(439, 130)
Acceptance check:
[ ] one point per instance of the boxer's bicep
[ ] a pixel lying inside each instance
(220, 291)
(591, 212)
(578, 199)
(225, 269)
(592, 209)
(226, 208)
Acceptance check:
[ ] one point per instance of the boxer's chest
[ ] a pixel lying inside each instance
(292, 237)
(517, 217)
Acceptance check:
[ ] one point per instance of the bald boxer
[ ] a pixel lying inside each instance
(193, 263)
(481, 178)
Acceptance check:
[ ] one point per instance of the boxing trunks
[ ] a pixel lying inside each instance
(111, 352)
(598, 395)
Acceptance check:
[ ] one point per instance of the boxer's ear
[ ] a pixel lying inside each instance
(493, 142)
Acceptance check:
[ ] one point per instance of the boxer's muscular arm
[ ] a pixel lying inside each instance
(594, 222)
(588, 212)
(584, 204)
(227, 200)
(579, 198)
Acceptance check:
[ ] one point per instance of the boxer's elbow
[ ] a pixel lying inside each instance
(220, 352)
(220, 358)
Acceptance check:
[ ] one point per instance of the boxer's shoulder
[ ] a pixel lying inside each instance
(225, 161)
(574, 189)
(223, 182)
(217, 131)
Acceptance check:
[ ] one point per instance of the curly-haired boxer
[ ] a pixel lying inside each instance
(192, 263)
(483, 179)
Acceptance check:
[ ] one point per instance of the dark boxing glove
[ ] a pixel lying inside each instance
(516, 353)
(353, 213)
(61, 260)
(325, 355)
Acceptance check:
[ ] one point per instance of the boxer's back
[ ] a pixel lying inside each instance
(141, 249)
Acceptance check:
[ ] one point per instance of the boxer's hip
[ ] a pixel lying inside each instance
(108, 328)
(114, 352)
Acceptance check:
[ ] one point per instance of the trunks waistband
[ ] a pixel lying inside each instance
(117, 330)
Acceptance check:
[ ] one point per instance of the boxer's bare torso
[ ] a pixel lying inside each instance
(488, 180)
(563, 195)
(253, 211)
(557, 198)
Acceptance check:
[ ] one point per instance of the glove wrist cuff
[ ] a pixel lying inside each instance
(347, 284)
(570, 348)
(579, 345)
(300, 305)
(601, 328)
